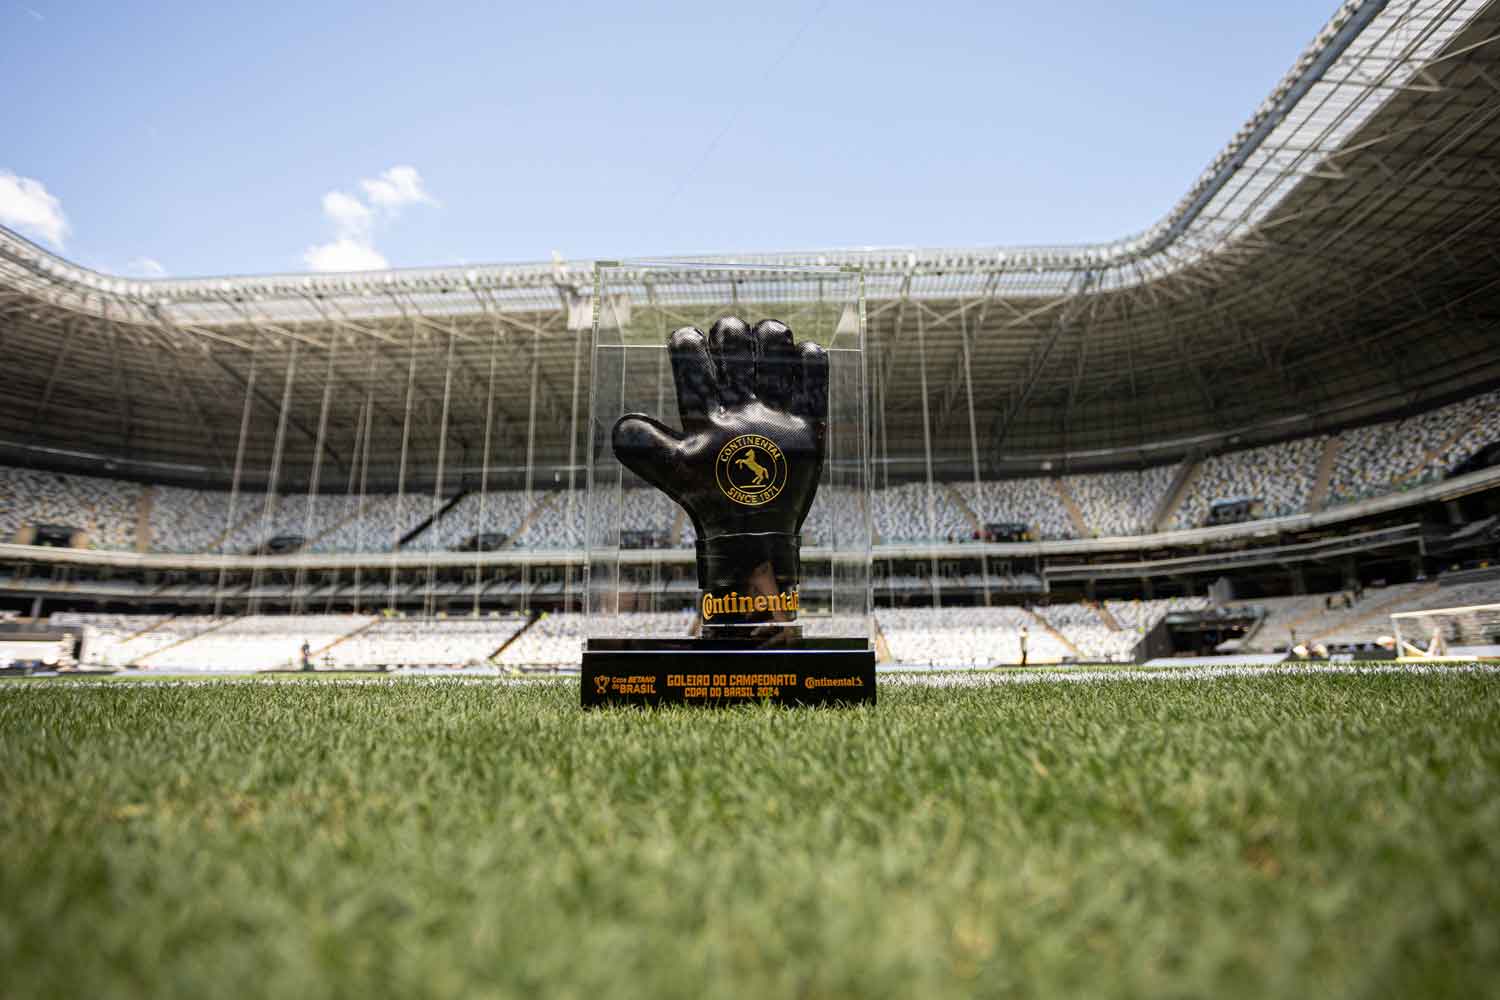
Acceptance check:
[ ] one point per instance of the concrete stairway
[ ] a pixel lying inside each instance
(536, 616)
(361, 630)
(1319, 496)
(539, 508)
(147, 630)
(962, 506)
(1433, 453)
(1075, 513)
(1110, 621)
(143, 511)
(882, 648)
(430, 522)
(141, 660)
(251, 518)
(1051, 630)
(1187, 475)
(308, 545)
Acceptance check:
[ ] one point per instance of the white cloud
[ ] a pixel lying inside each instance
(353, 220)
(26, 205)
(350, 216)
(396, 188)
(147, 267)
(344, 254)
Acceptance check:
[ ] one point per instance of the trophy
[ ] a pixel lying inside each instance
(744, 466)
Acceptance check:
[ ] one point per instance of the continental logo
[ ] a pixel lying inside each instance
(735, 603)
(833, 682)
(751, 470)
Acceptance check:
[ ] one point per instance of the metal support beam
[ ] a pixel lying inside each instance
(1037, 363)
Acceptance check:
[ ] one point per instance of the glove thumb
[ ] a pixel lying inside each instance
(649, 448)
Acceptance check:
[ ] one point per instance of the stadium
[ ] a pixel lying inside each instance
(1260, 437)
(1264, 399)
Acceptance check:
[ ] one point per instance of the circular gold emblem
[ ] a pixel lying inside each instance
(751, 470)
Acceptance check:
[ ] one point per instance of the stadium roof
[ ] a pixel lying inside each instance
(1336, 261)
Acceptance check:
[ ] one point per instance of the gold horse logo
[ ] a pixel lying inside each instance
(750, 470)
(758, 470)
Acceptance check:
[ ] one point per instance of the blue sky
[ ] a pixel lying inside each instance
(212, 139)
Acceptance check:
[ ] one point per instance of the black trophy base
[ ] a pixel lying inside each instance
(720, 672)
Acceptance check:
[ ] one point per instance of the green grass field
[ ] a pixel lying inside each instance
(1290, 836)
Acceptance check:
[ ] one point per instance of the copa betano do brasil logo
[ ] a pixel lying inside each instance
(751, 470)
(735, 603)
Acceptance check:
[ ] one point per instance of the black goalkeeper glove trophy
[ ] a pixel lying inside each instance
(754, 409)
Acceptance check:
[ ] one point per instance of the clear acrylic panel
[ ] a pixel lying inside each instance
(641, 569)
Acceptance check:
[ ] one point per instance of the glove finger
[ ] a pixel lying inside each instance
(733, 348)
(778, 369)
(646, 446)
(812, 399)
(693, 371)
